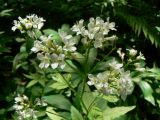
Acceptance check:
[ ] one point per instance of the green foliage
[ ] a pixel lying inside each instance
(66, 91)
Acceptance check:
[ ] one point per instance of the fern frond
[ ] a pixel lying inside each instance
(140, 25)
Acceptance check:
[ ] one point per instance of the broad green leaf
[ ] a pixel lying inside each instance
(112, 113)
(58, 101)
(31, 83)
(95, 114)
(60, 81)
(100, 66)
(40, 113)
(66, 28)
(147, 91)
(41, 79)
(53, 115)
(88, 99)
(70, 67)
(75, 114)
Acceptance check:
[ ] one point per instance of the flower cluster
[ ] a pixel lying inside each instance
(114, 81)
(52, 53)
(96, 31)
(31, 21)
(136, 58)
(23, 109)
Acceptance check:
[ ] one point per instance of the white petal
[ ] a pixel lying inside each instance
(54, 65)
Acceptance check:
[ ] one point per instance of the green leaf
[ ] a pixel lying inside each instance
(92, 56)
(6, 12)
(29, 44)
(88, 99)
(75, 114)
(158, 28)
(112, 113)
(31, 83)
(55, 36)
(111, 98)
(95, 114)
(147, 91)
(60, 82)
(70, 67)
(19, 59)
(58, 101)
(100, 66)
(52, 114)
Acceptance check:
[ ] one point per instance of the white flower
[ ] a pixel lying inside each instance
(45, 60)
(132, 52)
(78, 28)
(140, 57)
(115, 65)
(68, 41)
(17, 25)
(37, 46)
(120, 53)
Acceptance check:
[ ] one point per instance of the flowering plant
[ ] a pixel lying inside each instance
(86, 70)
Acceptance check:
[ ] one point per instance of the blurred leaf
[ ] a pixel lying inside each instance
(95, 114)
(147, 91)
(111, 98)
(75, 114)
(52, 114)
(55, 36)
(66, 28)
(60, 82)
(36, 78)
(112, 113)
(58, 101)
(88, 99)
(31, 83)
(6, 12)
(19, 59)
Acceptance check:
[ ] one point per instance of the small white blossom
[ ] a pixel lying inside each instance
(120, 53)
(132, 52)
(140, 57)
(45, 60)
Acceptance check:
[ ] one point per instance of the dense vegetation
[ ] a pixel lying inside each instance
(79, 59)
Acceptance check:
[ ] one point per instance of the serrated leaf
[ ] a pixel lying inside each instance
(60, 81)
(58, 101)
(53, 115)
(147, 91)
(112, 113)
(31, 83)
(75, 114)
